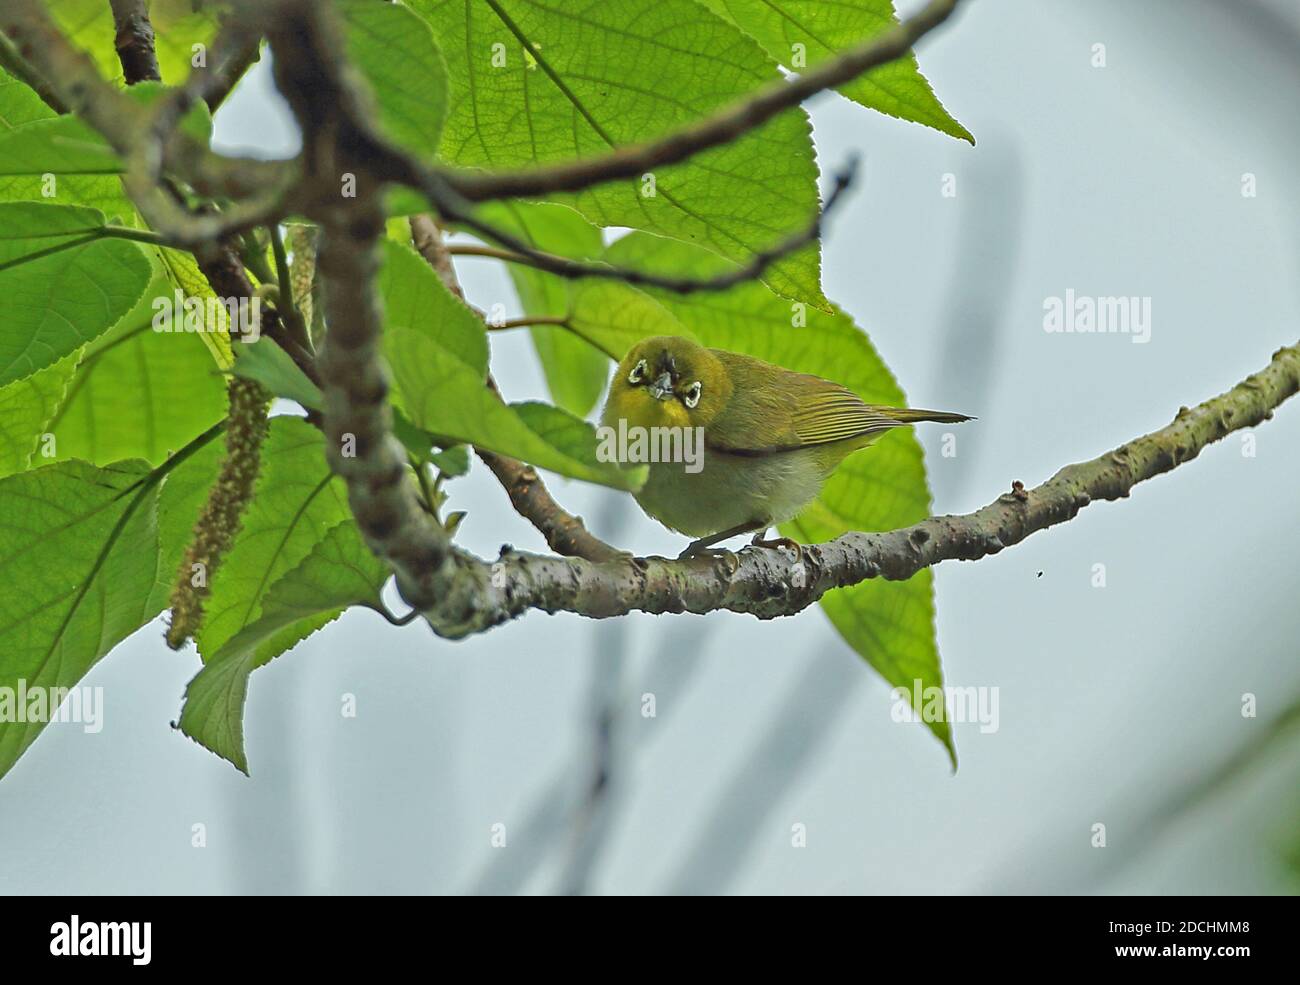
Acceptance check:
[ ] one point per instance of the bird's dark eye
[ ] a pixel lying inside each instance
(638, 373)
(692, 395)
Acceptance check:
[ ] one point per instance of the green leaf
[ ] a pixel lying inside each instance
(560, 429)
(60, 145)
(340, 571)
(296, 499)
(395, 52)
(614, 317)
(268, 364)
(63, 160)
(26, 408)
(79, 561)
(19, 103)
(418, 442)
(452, 462)
(63, 285)
(86, 557)
(891, 624)
(184, 274)
(437, 351)
(575, 371)
(139, 392)
(537, 81)
(802, 33)
(64, 145)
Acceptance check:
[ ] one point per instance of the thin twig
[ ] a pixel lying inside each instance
(565, 533)
(285, 305)
(134, 41)
(143, 179)
(428, 242)
(230, 70)
(528, 321)
(522, 252)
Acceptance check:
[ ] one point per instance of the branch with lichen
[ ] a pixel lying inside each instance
(768, 583)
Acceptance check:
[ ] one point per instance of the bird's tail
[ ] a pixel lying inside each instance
(911, 415)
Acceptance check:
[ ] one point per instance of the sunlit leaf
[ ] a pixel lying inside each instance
(437, 350)
(62, 282)
(394, 50)
(338, 572)
(801, 33)
(80, 545)
(575, 370)
(139, 392)
(535, 81)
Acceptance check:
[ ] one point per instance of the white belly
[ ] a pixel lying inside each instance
(730, 491)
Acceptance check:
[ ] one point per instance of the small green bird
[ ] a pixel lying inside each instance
(771, 436)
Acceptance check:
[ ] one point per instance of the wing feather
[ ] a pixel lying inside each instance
(780, 410)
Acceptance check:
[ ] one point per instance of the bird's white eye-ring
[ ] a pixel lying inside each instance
(637, 374)
(692, 395)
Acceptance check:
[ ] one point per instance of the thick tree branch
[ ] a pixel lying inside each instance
(360, 445)
(134, 41)
(769, 583)
(357, 418)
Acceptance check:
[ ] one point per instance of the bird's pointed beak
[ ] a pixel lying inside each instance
(662, 388)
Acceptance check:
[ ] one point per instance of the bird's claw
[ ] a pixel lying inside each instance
(779, 542)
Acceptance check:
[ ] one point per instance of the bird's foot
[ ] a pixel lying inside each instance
(779, 542)
(697, 549)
